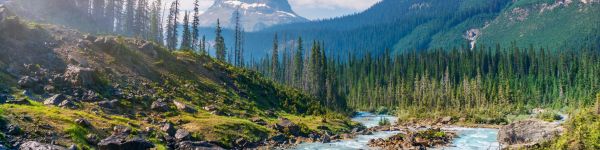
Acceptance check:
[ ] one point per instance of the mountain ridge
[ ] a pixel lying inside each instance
(254, 14)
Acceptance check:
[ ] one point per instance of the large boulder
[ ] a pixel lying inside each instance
(169, 129)
(201, 145)
(33, 145)
(159, 106)
(182, 135)
(286, 126)
(121, 130)
(120, 142)
(13, 129)
(79, 76)
(90, 96)
(446, 120)
(258, 121)
(61, 101)
(527, 133)
(55, 100)
(183, 107)
(82, 122)
(28, 82)
(108, 104)
(20, 101)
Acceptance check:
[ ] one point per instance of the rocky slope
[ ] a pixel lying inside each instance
(255, 14)
(60, 87)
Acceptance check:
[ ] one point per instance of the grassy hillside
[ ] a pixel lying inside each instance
(115, 81)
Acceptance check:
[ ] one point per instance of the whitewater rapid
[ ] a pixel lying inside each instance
(469, 138)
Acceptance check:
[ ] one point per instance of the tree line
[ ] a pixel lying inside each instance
(159, 22)
(306, 69)
(486, 80)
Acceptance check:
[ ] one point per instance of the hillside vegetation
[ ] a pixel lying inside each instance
(52, 78)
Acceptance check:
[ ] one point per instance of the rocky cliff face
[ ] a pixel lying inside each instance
(255, 14)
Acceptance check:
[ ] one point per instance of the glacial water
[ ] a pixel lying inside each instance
(469, 138)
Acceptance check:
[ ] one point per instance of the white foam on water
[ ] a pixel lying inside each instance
(474, 139)
(469, 138)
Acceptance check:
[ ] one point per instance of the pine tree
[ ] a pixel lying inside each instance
(195, 26)
(156, 34)
(275, 59)
(298, 64)
(313, 69)
(110, 15)
(186, 41)
(141, 19)
(221, 50)
(241, 52)
(129, 25)
(203, 47)
(119, 17)
(238, 40)
(172, 24)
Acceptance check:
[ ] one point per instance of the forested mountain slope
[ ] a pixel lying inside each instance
(407, 25)
(400, 24)
(552, 24)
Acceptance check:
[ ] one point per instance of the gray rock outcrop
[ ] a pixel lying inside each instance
(527, 133)
(33, 145)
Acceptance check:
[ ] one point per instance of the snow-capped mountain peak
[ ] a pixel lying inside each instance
(255, 14)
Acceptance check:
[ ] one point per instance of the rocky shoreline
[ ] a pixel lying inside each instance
(415, 139)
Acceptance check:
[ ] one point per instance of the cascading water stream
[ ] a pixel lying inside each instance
(469, 138)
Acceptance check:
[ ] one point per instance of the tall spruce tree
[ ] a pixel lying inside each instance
(119, 17)
(156, 34)
(220, 49)
(141, 19)
(129, 25)
(186, 40)
(172, 24)
(237, 38)
(241, 45)
(110, 15)
(196, 26)
(203, 47)
(298, 63)
(275, 59)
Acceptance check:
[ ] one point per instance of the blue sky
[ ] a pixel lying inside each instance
(311, 9)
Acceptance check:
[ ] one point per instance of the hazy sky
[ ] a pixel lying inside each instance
(311, 9)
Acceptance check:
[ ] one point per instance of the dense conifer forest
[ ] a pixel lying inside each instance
(489, 81)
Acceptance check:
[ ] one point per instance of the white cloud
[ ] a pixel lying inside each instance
(357, 5)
